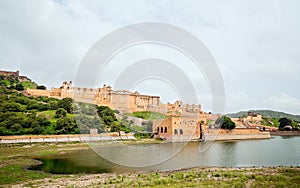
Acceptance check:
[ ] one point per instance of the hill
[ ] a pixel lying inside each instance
(267, 113)
(21, 114)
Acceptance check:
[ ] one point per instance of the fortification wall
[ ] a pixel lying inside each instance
(66, 138)
(9, 73)
(235, 134)
(285, 133)
(38, 92)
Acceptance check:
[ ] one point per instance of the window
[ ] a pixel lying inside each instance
(181, 131)
(158, 129)
(175, 131)
(166, 129)
(161, 129)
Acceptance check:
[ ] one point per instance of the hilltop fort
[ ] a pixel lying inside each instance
(15, 75)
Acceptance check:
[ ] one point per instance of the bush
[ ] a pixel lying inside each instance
(19, 87)
(43, 107)
(66, 125)
(41, 87)
(60, 113)
(66, 103)
(225, 123)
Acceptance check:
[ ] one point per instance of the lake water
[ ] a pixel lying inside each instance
(277, 151)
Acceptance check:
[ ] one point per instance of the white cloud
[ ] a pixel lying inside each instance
(283, 102)
(256, 43)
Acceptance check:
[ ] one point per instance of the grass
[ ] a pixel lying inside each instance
(14, 158)
(49, 114)
(147, 115)
(30, 85)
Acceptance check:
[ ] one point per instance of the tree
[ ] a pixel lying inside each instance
(225, 122)
(60, 113)
(107, 115)
(66, 125)
(19, 87)
(41, 87)
(284, 122)
(53, 105)
(67, 104)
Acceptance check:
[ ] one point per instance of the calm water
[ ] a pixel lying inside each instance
(277, 151)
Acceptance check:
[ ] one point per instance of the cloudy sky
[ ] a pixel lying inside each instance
(256, 44)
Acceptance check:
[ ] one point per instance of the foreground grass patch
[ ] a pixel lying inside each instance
(16, 157)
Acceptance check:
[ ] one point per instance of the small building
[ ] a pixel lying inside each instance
(179, 128)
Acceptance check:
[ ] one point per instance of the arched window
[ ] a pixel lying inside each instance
(161, 129)
(166, 129)
(181, 131)
(175, 131)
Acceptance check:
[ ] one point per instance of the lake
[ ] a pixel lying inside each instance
(115, 157)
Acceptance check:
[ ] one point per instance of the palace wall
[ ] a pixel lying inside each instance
(38, 92)
(123, 100)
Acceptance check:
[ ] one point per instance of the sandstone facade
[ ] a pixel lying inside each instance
(121, 100)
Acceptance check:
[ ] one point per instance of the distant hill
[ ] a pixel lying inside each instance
(267, 113)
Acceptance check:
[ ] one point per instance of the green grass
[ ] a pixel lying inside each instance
(147, 115)
(49, 114)
(14, 158)
(266, 177)
(30, 85)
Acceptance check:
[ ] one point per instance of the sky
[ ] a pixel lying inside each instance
(255, 44)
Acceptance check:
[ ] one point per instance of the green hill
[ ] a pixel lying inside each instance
(21, 114)
(267, 113)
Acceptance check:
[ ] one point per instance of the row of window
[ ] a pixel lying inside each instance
(185, 122)
(165, 130)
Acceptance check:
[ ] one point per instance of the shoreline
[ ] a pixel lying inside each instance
(15, 157)
(192, 177)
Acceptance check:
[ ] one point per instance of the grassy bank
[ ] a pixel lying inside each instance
(14, 159)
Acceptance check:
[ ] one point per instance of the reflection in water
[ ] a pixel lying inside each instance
(272, 152)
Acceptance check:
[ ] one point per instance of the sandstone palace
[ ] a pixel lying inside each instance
(122, 100)
(182, 120)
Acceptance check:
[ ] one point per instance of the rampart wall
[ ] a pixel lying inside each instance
(65, 138)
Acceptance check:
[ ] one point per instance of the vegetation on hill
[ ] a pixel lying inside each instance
(13, 83)
(20, 114)
(273, 118)
(147, 115)
(267, 114)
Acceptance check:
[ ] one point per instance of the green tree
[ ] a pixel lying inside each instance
(10, 106)
(19, 87)
(67, 104)
(225, 122)
(53, 105)
(66, 125)
(106, 115)
(41, 87)
(60, 113)
(284, 122)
